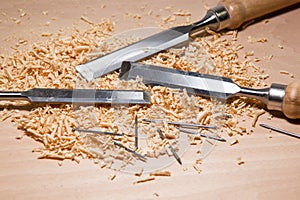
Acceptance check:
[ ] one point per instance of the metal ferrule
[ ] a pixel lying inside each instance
(222, 16)
(276, 95)
(215, 19)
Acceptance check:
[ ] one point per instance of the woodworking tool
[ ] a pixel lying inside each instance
(49, 95)
(227, 14)
(277, 97)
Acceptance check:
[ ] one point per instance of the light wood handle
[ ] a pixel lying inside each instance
(241, 11)
(291, 101)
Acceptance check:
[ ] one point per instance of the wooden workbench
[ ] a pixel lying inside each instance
(272, 160)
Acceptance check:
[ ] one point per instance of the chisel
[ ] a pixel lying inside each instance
(49, 95)
(227, 14)
(277, 97)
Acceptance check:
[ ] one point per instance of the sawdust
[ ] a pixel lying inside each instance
(51, 64)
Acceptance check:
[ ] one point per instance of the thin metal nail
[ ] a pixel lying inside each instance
(181, 124)
(97, 132)
(202, 135)
(143, 158)
(170, 147)
(136, 132)
(223, 116)
(193, 125)
(281, 131)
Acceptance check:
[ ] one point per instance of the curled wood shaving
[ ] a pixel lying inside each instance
(51, 64)
(257, 115)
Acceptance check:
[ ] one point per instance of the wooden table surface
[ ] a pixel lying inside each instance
(271, 159)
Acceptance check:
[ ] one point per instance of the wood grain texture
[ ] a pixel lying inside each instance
(272, 160)
(242, 11)
(291, 101)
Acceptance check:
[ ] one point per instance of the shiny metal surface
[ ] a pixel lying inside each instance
(203, 84)
(194, 83)
(43, 95)
(134, 52)
(275, 97)
(182, 124)
(216, 19)
(281, 131)
(202, 135)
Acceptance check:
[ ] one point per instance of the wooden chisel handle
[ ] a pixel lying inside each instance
(291, 101)
(241, 11)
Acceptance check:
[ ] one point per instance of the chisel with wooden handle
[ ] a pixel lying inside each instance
(227, 14)
(49, 95)
(277, 97)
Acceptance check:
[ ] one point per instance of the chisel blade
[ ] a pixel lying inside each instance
(45, 95)
(137, 51)
(227, 14)
(203, 84)
(194, 83)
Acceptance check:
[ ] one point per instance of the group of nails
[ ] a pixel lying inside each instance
(163, 137)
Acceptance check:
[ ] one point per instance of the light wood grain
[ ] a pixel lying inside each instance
(241, 11)
(272, 160)
(291, 101)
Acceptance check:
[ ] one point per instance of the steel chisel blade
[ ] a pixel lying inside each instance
(49, 95)
(135, 52)
(195, 83)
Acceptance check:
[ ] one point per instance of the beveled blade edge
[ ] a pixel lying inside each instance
(135, 52)
(195, 83)
(44, 95)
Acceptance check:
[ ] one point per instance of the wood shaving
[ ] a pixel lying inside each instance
(139, 173)
(145, 180)
(182, 13)
(253, 40)
(45, 34)
(85, 19)
(240, 161)
(266, 21)
(156, 194)
(196, 167)
(270, 117)
(257, 115)
(51, 64)
(284, 72)
(280, 46)
(168, 19)
(133, 15)
(234, 142)
(160, 173)
(112, 177)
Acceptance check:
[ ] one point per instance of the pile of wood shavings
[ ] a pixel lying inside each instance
(51, 64)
